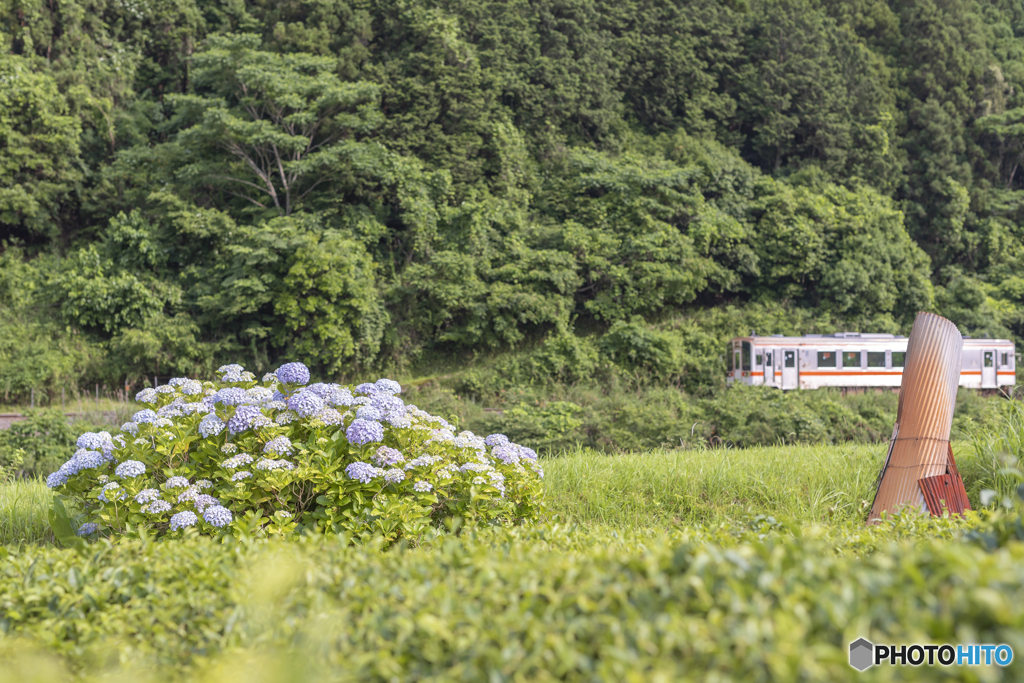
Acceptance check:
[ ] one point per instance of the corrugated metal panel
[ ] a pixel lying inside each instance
(924, 415)
(943, 492)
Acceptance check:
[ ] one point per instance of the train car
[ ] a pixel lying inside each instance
(852, 359)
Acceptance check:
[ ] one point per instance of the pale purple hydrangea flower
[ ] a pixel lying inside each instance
(88, 529)
(158, 507)
(422, 486)
(386, 456)
(111, 492)
(362, 432)
(130, 468)
(366, 388)
(231, 396)
(177, 483)
(211, 425)
(183, 519)
(281, 445)
(237, 461)
(258, 395)
(363, 472)
(232, 368)
(388, 386)
(306, 403)
(394, 476)
(243, 418)
(146, 496)
(131, 428)
(147, 395)
(369, 413)
(341, 397)
(239, 476)
(228, 448)
(192, 388)
(204, 500)
(165, 389)
(144, 416)
(95, 441)
(293, 373)
(217, 515)
(176, 381)
(496, 440)
(268, 464)
(330, 417)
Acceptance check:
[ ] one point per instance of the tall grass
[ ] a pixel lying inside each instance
(707, 486)
(997, 450)
(24, 512)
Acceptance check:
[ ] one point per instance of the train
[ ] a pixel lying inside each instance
(853, 359)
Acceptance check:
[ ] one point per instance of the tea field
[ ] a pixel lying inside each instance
(720, 565)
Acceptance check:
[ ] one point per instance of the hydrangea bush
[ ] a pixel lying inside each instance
(281, 456)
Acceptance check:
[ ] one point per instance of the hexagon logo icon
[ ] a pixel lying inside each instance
(862, 654)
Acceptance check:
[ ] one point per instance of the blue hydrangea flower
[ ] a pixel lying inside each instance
(131, 428)
(88, 529)
(422, 486)
(195, 408)
(146, 416)
(388, 386)
(176, 381)
(506, 453)
(269, 378)
(211, 425)
(158, 507)
(293, 373)
(165, 389)
(394, 476)
(233, 368)
(237, 461)
(183, 519)
(147, 395)
(306, 403)
(324, 391)
(217, 515)
(281, 445)
(129, 469)
(146, 496)
(177, 483)
(363, 472)
(239, 476)
(362, 432)
(259, 395)
(366, 388)
(243, 419)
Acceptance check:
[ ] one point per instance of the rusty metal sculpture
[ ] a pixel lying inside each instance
(919, 471)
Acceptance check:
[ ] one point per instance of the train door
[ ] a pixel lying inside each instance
(790, 373)
(769, 366)
(988, 369)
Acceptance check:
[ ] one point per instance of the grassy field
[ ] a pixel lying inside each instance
(670, 565)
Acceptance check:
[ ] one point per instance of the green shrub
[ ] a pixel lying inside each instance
(234, 457)
(757, 600)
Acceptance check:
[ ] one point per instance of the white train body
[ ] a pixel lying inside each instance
(850, 359)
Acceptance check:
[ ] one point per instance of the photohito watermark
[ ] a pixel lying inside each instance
(865, 654)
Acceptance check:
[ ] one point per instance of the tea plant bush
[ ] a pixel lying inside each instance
(282, 456)
(753, 601)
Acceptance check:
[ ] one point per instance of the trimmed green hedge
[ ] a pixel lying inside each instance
(756, 602)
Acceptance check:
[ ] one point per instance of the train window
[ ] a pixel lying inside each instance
(851, 359)
(757, 359)
(789, 358)
(876, 359)
(988, 359)
(728, 356)
(1006, 361)
(898, 358)
(826, 359)
(746, 356)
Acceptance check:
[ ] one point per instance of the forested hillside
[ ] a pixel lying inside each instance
(594, 191)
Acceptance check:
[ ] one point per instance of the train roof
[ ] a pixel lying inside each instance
(848, 337)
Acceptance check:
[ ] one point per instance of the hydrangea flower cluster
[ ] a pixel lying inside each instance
(295, 457)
